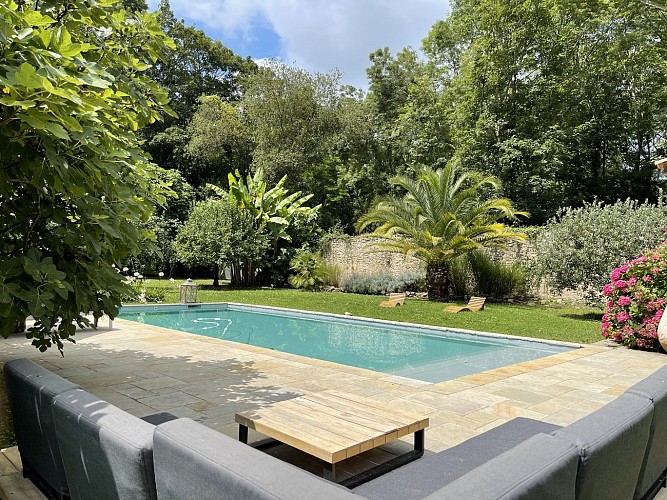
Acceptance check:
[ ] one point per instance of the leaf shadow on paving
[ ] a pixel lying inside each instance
(141, 382)
(187, 383)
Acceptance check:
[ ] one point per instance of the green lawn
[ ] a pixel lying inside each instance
(570, 324)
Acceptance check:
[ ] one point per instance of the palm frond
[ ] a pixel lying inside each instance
(442, 215)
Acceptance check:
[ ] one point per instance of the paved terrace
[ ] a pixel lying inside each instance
(145, 369)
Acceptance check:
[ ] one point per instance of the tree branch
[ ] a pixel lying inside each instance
(651, 3)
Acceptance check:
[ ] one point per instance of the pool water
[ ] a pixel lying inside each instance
(424, 353)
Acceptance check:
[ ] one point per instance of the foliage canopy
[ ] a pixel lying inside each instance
(74, 181)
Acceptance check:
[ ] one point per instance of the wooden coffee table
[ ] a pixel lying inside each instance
(333, 426)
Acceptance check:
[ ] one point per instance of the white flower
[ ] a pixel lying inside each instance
(136, 274)
(172, 280)
(125, 269)
(160, 274)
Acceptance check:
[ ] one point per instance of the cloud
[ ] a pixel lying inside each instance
(319, 35)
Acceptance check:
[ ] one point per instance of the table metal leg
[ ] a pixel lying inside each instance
(390, 465)
(419, 440)
(329, 471)
(243, 433)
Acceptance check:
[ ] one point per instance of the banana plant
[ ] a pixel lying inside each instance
(275, 208)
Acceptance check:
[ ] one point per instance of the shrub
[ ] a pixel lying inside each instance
(461, 279)
(581, 246)
(332, 274)
(636, 300)
(141, 292)
(382, 284)
(309, 269)
(497, 279)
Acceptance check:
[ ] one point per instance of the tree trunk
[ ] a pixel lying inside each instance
(437, 281)
(216, 275)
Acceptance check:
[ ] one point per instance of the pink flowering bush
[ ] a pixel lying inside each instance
(636, 300)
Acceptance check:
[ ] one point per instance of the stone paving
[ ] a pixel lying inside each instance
(145, 369)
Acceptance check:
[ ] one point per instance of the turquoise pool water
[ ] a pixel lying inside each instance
(423, 353)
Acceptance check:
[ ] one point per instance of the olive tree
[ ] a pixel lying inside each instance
(74, 182)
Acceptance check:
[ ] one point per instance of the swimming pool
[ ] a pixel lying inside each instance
(424, 353)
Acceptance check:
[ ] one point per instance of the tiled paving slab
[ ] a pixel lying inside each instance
(145, 369)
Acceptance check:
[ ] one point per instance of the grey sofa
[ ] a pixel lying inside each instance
(75, 445)
(31, 389)
(616, 452)
(619, 451)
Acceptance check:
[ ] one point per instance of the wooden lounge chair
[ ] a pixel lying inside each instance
(395, 299)
(474, 304)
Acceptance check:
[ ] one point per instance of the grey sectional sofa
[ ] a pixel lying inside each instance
(75, 445)
(619, 451)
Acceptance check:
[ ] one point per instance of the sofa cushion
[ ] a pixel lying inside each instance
(655, 459)
(31, 390)
(541, 468)
(107, 453)
(611, 442)
(428, 474)
(193, 461)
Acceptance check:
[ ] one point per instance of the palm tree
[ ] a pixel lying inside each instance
(445, 214)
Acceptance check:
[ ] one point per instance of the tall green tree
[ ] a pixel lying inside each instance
(74, 182)
(165, 223)
(292, 116)
(195, 66)
(564, 101)
(219, 138)
(411, 122)
(283, 217)
(444, 214)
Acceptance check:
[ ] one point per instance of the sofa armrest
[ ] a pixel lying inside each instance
(541, 468)
(612, 442)
(654, 466)
(31, 390)
(428, 474)
(193, 461)
(107, 453)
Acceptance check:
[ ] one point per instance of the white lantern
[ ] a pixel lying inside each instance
(188, 291)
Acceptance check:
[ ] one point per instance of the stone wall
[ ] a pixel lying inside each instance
(358, 255)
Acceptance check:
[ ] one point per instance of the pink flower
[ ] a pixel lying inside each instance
(624, 300)
(607, 289)
(646, 278)
(615, 274)
(622, 316)
(620, 284)
(632, 281)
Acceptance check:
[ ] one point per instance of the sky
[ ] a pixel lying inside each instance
(316, 35)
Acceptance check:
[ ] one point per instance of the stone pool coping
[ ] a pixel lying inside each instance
(145, 369)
